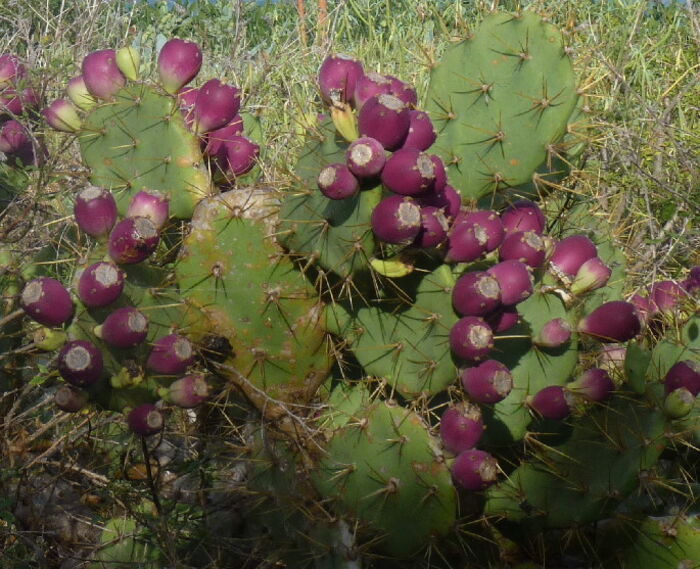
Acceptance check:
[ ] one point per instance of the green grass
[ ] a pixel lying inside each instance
(638, 63)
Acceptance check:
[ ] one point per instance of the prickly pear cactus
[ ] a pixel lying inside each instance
(232, 272)
(501, 101)
(120, 545)
(382, 466)
(139, 141)
(128, 382)
(403, 340)
(560, 486)
(654, 542)
(334, 234)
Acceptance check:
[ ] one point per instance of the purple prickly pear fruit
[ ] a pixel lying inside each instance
(515, 280)
(488, 383)
(179, 62)
(471, 338)
(365, 157)
(337, 79)
(665, 297)
(337, 182)
(592, 275)
(568, 256)
(70, 399)
(407, 93)
(503, 319)
(679, 403)
(62, 116)
(476, 294)
(10, 102)
(475, 470)
(146, 419)
(369, 85)
(524, 246)
(46, 301)
(215, 106)
(241, 155)
(448, 200)
(616, 321)
(79, 95)
(128, 61)
(463, 246)
(133, 240)
(487, 227)
(409, 172)
(126, 327)
(100, 284)
(11, 69)
(101, 74)
(13, 136)
(171, 355)
(151, 204)
(384, 118)
(692, 283)
(552, 402)
(643, 306)
(594, 384)
(188, 391)
(685, 373)
(461, 427)
(434, 228)
(523, 215)
(441, 179)
(421, 132)
(213, 141)
(95, 211)
(80, 363)
(396, 219)
(554, 333)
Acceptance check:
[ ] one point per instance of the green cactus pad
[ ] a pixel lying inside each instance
(584, 478)
(382, 467)
(334, 233)
(140, 142)
(671, 542)
(501, 101)
(677, 345)
(233, 273)
(405, 339)
(532, 368)
(120, 546)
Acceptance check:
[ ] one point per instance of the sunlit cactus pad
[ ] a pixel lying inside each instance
(500, 101)
(140, 141)
(382, 466)
(403, 339)
(248, 291)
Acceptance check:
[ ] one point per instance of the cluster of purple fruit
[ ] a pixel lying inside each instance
(210, 111)
(392, 147)
(16, 100)
(80, 362)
